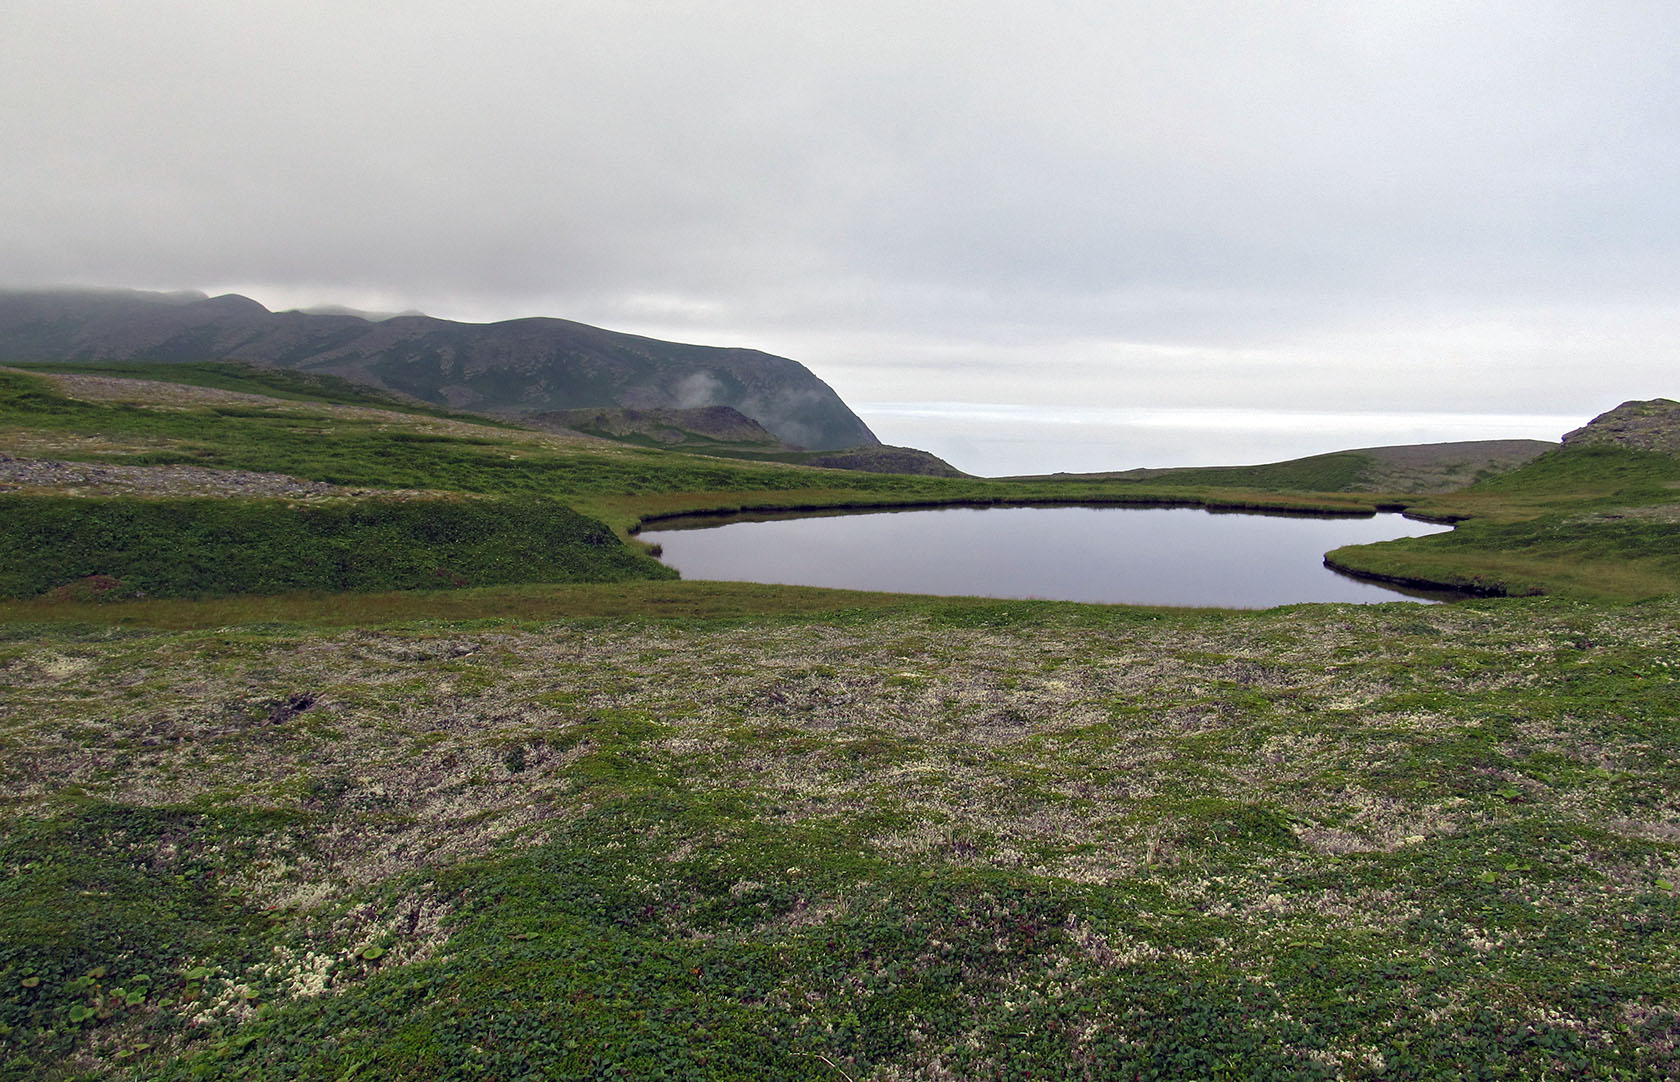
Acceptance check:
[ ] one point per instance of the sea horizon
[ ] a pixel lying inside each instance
(1002, 440)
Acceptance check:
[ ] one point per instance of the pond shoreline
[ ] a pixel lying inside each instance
(1225, 555)
(773, 511)
(1469, 590)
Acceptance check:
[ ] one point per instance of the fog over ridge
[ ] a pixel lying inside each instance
(1336, 207)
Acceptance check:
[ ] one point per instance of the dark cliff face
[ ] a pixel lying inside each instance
(518, 366)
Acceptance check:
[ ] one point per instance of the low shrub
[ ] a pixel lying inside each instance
(86, 549)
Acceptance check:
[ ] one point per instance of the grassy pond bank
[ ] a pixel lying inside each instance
(612, 825)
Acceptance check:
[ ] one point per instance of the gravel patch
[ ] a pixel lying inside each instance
(95, 479)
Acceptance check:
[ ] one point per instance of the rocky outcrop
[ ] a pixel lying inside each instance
(886, 459)
(1650, 425)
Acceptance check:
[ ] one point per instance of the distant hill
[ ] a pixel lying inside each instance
(1409, 468)
(722, 430)
(884, 459)
(517, 367)
(700, 427)
(1445, 467)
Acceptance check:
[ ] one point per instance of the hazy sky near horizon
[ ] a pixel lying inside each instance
(1333, 206)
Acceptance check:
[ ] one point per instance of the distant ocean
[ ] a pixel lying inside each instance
(997, 440)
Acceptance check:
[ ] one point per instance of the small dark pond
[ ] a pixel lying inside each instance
(1137, 556)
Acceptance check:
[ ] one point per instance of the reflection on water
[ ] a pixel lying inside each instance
(1139, 556)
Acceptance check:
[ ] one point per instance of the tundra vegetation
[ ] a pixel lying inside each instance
(329, 813)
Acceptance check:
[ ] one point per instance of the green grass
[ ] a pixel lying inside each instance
(1529, 531)
(1622, 560)
(1339, 471)
(371, 452)
(621, 486)
(1594, 474)
(1316, 842)
(1589, 521)
(284, 384)
(121, 548)
(484, 826)
(618, 602)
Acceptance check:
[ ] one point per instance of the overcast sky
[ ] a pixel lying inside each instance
(1471, 208)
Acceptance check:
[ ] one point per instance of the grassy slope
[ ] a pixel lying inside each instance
(1589, 521)
(1540, 528)
(210, 547)
(282, 383)
(620, 485)
(1338, 471)
(926, 839)
(1531, 530)
(690, 830)
(1417, 468)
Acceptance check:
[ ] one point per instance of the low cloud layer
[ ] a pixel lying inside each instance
(1320, 206)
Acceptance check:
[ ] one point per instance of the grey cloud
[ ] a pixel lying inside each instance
(699, 389)
(869, 186)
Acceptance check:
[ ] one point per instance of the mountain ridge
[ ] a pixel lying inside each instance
(514, 367)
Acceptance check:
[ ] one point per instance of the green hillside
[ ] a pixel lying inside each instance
(411, 763)
(1589, 520)
(328, 432)
(517, 367)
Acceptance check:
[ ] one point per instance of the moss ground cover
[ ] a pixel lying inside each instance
(287, 384)
(911, 839)
(653, 829)
(537, 486)
(1334, 472)
(209, 547)
(1589, 521)
(1547, 526)
(371, 450)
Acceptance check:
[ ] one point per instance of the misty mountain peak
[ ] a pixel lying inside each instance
(517, 367)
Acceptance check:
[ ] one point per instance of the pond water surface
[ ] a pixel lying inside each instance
(1137, 556)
